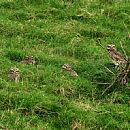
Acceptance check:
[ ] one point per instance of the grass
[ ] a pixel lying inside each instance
(56, 32)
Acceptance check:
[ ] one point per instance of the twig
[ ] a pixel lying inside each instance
(99, 83)
(124, 50)
(100, 44)
(111, 84)
(108, 69)
(108, 87)
(126, 29)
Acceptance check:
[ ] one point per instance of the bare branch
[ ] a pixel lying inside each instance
(126, 29)
(124, 50)
(99, 83)
(107, 69)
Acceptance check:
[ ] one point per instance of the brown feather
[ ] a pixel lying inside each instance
(115, 55)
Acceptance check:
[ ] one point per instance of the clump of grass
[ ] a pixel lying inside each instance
(9, 5)
(15, 55)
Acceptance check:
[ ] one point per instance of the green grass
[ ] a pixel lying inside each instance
(56, 32)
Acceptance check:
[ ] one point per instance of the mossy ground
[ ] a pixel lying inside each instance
(56, 32)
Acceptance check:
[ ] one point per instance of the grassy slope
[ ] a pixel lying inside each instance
(58, 32)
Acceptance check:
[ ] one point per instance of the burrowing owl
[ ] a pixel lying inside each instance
(14, 74)
(115, 55)
(68, 68)
(28, 60)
